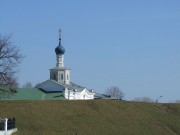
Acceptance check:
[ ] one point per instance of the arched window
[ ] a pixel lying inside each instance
(67, 77)
(55, 77)
(61, 76)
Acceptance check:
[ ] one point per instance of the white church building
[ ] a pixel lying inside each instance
(60, 79)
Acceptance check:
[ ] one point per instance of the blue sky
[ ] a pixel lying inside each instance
(132, 44)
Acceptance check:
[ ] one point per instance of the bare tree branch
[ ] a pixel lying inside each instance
(115, 92)
(28, 85)
(10, 58)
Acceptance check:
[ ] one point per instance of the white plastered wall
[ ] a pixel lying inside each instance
(83, 95)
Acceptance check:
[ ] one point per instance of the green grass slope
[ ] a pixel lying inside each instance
(96, 117)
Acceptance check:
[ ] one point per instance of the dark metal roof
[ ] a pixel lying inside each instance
(101, 96)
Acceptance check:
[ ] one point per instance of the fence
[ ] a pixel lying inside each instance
(11, 123)
(2, 127)
(7, 124)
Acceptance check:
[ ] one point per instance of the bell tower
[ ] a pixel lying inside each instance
(60, 73)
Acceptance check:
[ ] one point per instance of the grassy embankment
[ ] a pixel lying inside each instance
(96, 117)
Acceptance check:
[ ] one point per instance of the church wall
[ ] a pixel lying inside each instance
(67, 76)
(83, 95)
(86, 95)
(53, 75)
(60, 60)
(69, 94)
(61, 76)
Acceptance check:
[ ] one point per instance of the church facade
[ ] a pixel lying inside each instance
(60, 79)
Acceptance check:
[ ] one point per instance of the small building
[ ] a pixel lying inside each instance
(7, 126)
(60, 79)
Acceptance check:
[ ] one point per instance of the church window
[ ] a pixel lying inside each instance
(61, 76)
(55, 77)
(67, 77)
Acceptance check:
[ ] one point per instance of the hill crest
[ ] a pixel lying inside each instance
(98, 117)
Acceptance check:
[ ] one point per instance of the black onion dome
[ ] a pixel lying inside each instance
(59, 49)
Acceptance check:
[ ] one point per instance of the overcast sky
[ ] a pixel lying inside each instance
(132, 44)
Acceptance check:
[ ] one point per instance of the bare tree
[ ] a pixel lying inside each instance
(143, 99)
(115, 92)
(10, 58)
(28, 85)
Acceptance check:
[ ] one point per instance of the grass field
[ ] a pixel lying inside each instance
(96, 117)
